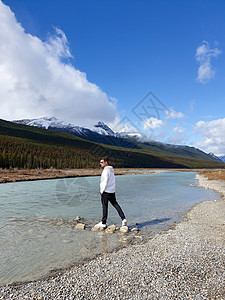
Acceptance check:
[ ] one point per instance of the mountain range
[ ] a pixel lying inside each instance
(55, 124)
(64, 145)
(101, 133)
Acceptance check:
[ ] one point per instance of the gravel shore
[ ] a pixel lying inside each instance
(187, 262)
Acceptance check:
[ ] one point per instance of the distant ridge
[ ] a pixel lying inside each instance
(222, 158)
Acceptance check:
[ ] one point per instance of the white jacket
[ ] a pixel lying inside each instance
(107, 183)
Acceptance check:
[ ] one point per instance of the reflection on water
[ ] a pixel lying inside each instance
(37, 227)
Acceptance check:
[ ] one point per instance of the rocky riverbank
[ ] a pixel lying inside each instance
(40, 174)
(187, 262)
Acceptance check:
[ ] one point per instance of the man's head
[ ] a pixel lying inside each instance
(104, 162)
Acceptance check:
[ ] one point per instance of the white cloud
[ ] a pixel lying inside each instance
(178, 129)
(152, 123)
(58, 44)
(212, 136)
(172, 114)
(36, 80)
(203, 55)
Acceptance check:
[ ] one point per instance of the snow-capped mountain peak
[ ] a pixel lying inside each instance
(215, 157)
(43, 122)
(55, 124)
(101, 128)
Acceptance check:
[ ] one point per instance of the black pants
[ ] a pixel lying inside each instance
(106, 198)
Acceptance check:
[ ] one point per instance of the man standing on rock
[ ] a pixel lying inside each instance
(107, 191)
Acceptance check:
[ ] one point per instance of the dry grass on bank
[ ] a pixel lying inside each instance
(214, 174)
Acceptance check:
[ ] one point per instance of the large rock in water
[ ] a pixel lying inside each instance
(124, 229)
(80, 226)
(97, 229)
(111, 229)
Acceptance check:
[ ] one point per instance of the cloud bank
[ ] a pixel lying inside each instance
(212, 134)
(204, 55)
(36, 78)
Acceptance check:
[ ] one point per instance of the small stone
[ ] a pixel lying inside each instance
(77, 219)
(124, 229)
(123, 240)
(135, 229)
(80, 226)
(59, 223)
(66, 241)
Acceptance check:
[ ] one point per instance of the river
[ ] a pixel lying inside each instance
(37, 231)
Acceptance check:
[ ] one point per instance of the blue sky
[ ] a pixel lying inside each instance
(88, 61)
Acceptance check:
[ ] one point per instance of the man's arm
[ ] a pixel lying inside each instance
(104, 180)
